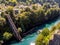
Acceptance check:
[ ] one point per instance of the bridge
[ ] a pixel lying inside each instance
(14, 29)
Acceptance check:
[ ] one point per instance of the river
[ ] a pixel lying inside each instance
(31, 37)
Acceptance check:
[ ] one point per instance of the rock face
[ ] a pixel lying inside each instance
(56, 39)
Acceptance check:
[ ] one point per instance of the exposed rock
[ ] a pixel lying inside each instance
(56, 38)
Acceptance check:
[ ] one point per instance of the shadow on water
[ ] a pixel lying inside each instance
(39, 27)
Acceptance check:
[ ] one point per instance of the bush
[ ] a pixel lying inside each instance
(19, 30)
(2, 21)
(45, 32)
(43, 37)
(39, 40)
(7, 36)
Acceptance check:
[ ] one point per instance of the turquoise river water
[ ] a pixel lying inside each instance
(31, 37)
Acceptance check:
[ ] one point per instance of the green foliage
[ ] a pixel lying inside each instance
(45, 32)
(46, 40)
(52, 13)
(9, 10)
(34, 7)
(39, 40)
(30, 17)
(27, 9)
(43, 37)
(53, 28)
(2, 21)
(7, 36)
(24, 19)
(19, 30)
(9, 2)
(46, 6)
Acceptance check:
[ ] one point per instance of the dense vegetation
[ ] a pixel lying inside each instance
(45, 36)
(28, 18)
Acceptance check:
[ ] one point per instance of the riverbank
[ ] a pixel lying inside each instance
(41, 25)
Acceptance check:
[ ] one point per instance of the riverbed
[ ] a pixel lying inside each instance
(31, 37)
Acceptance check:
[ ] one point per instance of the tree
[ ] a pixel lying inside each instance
(45, 32)
(39, 40)
(27, 9)
(46, 6)
(24, 20)
(34, 7)
(40, 15)
(9, 10)
(13, 2)
(19, 30)
(2, 21)
(52, 13)
(7, 36)
(43, 37)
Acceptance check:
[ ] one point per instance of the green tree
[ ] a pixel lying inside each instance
(2, 21)
(52, 13)
(39, 39)
(19, 30)
(24, 20)
(9, 10)
(7, 36)
(45, 32)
